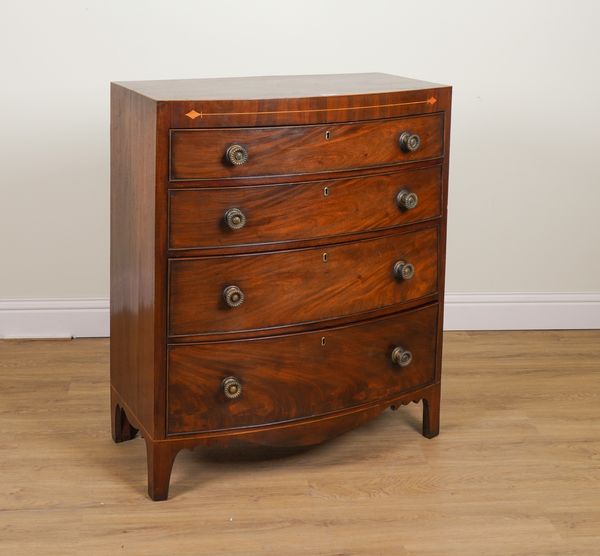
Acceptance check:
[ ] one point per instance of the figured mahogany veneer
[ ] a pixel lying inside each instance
(298, 286)
(301, 211)
(199, 154)
(316, 373)
(257, 293)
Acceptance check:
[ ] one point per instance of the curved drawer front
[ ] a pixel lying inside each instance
(299, 375)
(203, 153)
(292, 287)
(278, 213)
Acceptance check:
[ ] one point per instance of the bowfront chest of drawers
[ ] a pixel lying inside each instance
(277, 258)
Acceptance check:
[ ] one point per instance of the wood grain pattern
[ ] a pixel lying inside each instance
(308, 110)
(303, 211)
(133, 305)
(513, 473)
(296, 376)
(296, 286)
(303, 327)
(292, 150)
(292, 99)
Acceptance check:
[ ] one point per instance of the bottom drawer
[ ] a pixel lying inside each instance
(298, 375)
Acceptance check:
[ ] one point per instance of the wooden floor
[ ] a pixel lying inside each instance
(516, 469)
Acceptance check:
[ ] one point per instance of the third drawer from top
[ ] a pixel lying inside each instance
(244, 292)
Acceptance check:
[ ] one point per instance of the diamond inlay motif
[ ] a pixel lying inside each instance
(431, 100)
(192, 114)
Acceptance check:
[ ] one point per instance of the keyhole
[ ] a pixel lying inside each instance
(327, 135)
(323, 341)
(325, 191)
(324, 257)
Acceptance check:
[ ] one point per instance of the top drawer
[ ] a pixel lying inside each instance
(198, 154)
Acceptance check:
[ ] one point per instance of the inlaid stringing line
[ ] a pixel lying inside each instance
(192, 114)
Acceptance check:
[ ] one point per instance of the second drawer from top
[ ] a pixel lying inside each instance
(236, 216)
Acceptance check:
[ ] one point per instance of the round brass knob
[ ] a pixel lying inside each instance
(236, 155)
(406, 199)
(409, 142)
(232, 387)
(235, 218)
(401, 357)
(403, 270)
(233, 296)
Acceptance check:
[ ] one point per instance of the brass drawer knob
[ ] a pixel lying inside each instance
(236, 155)
(406, 199)
(403, 270)
(409, 142)
(235, 218)
(401, 357)
(233, 296)
(232, 387)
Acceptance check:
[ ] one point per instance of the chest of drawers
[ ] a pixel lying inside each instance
(277, 258)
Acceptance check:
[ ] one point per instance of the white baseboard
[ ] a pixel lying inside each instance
(77, 318)
(54, 318)
(521, 311)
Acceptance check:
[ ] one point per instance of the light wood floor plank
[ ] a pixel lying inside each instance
(515, 471)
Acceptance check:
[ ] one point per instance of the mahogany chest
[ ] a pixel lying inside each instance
(277, 258)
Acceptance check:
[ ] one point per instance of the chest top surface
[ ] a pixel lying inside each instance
(275, 87)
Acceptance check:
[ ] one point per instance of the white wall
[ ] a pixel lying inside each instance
(525, 178)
